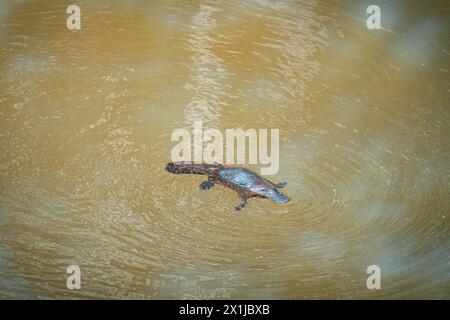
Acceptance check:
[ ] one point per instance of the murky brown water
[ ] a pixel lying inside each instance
(85, 124)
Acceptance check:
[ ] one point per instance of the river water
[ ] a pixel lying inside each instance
(85, 123)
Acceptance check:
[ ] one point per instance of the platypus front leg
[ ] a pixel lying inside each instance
(207, 185)
(281, 185)
(241, 205)
(243, 196)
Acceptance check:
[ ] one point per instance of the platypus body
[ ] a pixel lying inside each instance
(247, 183)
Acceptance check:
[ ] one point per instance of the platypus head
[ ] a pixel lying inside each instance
(272, 193)
(276, 196)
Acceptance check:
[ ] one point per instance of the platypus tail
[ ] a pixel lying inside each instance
(191, 167)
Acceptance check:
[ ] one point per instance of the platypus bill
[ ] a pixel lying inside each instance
(245, 182)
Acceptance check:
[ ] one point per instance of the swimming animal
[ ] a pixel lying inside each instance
(245, 182)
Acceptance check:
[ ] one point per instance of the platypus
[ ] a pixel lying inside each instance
(247, 183)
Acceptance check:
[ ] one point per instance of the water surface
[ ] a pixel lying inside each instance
(85, 124)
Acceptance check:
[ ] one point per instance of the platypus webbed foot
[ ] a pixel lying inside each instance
(281, 185)
(208, 184)
(240, 206)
